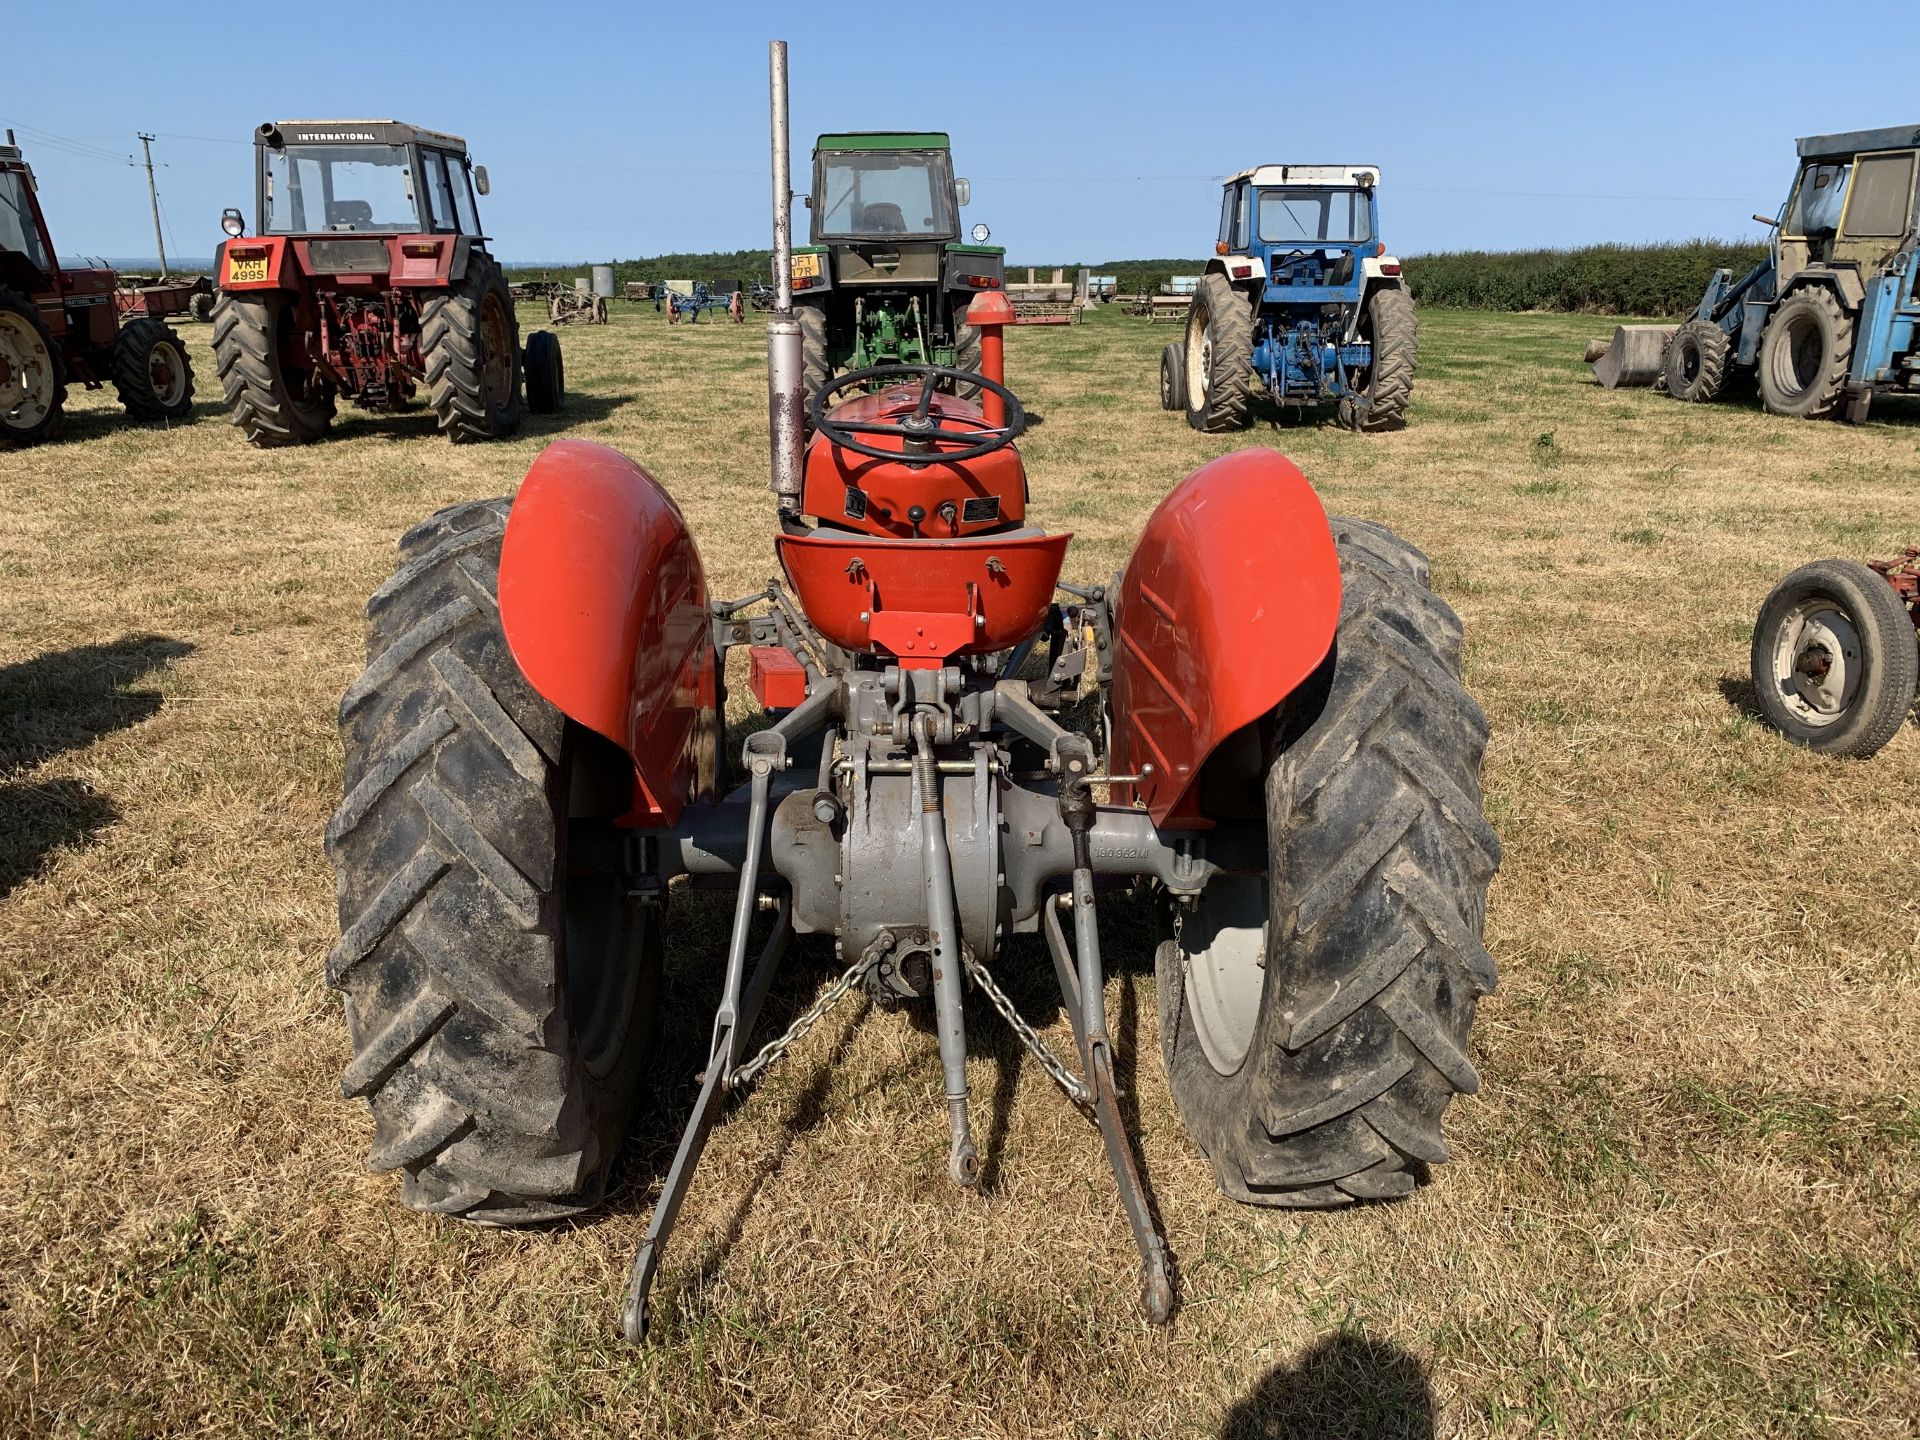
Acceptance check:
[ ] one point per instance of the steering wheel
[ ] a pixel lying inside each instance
(920, 427)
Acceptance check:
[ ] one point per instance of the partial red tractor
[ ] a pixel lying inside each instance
(60, 324)
(369, 280)
(1288, 768)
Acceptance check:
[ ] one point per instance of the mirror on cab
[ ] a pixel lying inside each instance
(480, 179)
(963, 190)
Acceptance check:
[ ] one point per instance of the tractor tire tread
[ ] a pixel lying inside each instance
(1375, 803)
(444, 848)
(1396, 348)
(1229, 326)
(451, 344)
(1822, 398)
(1715, 351)
(251, 379)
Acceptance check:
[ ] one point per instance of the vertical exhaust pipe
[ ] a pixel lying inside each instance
(786, 393)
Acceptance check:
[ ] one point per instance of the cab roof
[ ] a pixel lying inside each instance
(364, 132)
(1276, 175)
(883, 140)
(1853, 142)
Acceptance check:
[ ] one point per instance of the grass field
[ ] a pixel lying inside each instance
(1684, 1202)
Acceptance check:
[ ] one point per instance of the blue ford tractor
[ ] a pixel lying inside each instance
(1830, 318)
(1302, 296)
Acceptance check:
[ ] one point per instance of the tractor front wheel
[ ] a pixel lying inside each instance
(151, 371)
(1804, 356)
(1834, 659)
(1697, 359)
(501, 984)
(1314, 1021)
(1381, 391)
(33, 378)
(1219, 356)
(471, 341)
(1173, 377)
(256, 345)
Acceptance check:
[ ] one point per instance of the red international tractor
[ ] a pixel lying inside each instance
(370, 279)
(534, 756)
(59, 324)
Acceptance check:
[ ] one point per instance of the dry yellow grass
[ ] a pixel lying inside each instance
(1683, 1203)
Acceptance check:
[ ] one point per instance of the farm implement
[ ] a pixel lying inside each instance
(369, 280)
(702, 299)
(536, 766)
(1829, 319)
(59, 324)
(1303, 298)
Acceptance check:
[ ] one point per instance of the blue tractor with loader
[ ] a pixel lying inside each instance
(1300, 296)
(1829, 318)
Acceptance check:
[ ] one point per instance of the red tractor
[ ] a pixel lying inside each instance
(534, 756)
(59, 324)
(370, 279)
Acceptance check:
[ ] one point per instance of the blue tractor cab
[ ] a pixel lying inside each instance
(1302, 296)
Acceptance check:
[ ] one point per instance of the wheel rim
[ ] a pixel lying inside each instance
(1689, 358)
(1199, 357)
(1818, 662)
(496, 364)
(166, 374)
(1800, 356)
(26, 373)
(1224, 949)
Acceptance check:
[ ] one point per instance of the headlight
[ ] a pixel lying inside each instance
(233, 222)
(980, 234)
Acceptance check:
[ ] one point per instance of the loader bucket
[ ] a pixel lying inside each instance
(1633, 358)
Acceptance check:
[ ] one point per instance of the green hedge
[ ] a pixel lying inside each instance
(1663, 280)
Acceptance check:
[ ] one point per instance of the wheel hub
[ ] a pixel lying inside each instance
(26, 373)
(164, 375)
(1224, 950)
(1817, 662)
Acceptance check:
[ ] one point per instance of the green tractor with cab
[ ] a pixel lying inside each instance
(885, 278)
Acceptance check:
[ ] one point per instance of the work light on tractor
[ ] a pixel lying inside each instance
(537, 772)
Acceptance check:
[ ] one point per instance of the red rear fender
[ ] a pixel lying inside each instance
(1230, 601)
(604, 605)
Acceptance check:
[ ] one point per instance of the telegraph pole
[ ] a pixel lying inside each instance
(153, 194)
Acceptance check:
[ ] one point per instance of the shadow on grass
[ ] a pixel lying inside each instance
(57, 702)
(1348, 1386)
(1738, 692)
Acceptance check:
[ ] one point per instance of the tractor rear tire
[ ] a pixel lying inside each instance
(1314, 1021)
(1834, 659)
(546, 374)
(249, 352)
(1697, 361)
(500, 984)
(966, 356)
(470, 340)
(151, 371)
(1173, 377)
(816, 366)
(200, 307)
(1381, 403)
(33, 389)
(1219, 356)
(1805, 353)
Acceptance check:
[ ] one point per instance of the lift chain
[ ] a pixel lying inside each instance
(1077, 1090)
(805, 1021)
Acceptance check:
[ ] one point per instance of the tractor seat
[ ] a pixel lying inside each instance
(349, 214)
(883, 218)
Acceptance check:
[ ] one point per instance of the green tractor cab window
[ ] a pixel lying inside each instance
(877, 195)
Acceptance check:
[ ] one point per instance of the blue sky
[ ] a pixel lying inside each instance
(1495, 125)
